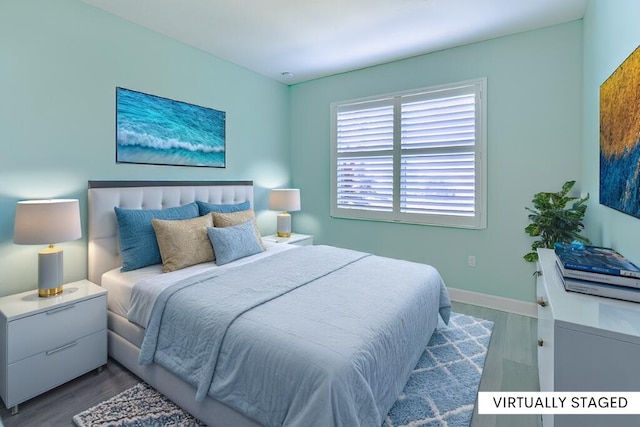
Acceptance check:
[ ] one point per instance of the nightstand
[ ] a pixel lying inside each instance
(294, 239)
(49, 341)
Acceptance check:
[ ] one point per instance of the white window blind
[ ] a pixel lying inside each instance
(415, 157)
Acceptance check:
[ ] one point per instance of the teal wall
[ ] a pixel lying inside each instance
(534, 137)
(60, 62)
(611, 33)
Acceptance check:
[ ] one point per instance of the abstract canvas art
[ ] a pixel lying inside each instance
(155, 130)
(620, 137)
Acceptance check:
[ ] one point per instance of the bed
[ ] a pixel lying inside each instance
(283, 336)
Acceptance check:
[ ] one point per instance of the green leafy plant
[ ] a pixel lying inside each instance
(555, 217)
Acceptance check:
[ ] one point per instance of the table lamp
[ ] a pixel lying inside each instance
(47, 222)
(285, 200)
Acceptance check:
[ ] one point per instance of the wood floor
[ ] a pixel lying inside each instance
(510, 366)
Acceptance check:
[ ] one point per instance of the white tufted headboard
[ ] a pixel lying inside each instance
(103, 239)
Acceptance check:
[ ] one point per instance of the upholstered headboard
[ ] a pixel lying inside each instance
(103, 239)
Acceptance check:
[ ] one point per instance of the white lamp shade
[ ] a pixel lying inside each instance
(47, 221)
(284, 199)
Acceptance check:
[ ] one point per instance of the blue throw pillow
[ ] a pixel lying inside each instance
(138, 243)
(235, 242)
(206, 207)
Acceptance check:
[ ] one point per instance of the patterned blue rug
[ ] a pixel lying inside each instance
(440, 392)
(442, 389)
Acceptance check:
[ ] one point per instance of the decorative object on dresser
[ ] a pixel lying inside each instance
(555, 217)
(597, 271)
(40, 222)
(47, 342)
(585, 343)
(601, 289)
(597, 262)
(285, 200)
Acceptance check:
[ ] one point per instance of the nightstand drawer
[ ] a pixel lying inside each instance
(50, 329)
(30, 377)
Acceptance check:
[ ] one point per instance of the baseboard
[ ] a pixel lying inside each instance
(494, 302)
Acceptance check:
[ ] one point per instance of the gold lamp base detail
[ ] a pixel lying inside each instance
(45, 293)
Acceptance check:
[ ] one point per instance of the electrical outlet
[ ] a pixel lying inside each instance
(471, 261)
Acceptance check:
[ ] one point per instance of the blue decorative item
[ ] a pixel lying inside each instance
(575, 246)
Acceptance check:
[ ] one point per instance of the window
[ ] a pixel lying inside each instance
(414, 157)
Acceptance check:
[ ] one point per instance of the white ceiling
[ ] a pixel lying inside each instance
(317, 38)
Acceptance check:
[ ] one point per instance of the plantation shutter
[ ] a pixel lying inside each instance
(365, 157)
(411, 157)
(438, 155)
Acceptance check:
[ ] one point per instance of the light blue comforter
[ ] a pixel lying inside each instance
(314, 336)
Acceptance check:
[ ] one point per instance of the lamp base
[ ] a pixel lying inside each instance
(50, 272)
(284, 225)
(51, 292)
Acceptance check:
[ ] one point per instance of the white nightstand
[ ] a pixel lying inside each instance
(294, 239)
(49, 341)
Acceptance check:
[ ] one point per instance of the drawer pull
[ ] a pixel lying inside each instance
(540, 342)
(537, 273)
(542, 302)
(58, 310)
(64, 347)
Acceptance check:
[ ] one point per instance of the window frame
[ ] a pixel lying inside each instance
(479, 219)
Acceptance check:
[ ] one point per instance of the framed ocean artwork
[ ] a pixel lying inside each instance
(620, 137)
(160, 131)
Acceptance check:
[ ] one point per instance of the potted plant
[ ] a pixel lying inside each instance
(555, 217)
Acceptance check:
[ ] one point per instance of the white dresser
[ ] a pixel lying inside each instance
(49, 341)
(585, 343)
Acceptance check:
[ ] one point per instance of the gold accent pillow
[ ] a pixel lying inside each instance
(236, 218)
(183, 242)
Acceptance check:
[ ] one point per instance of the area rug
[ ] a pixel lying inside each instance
(441, 390)
(139, 406)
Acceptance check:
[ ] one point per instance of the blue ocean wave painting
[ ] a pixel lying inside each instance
(155, 130)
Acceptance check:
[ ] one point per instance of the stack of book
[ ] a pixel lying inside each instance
(598, 271)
